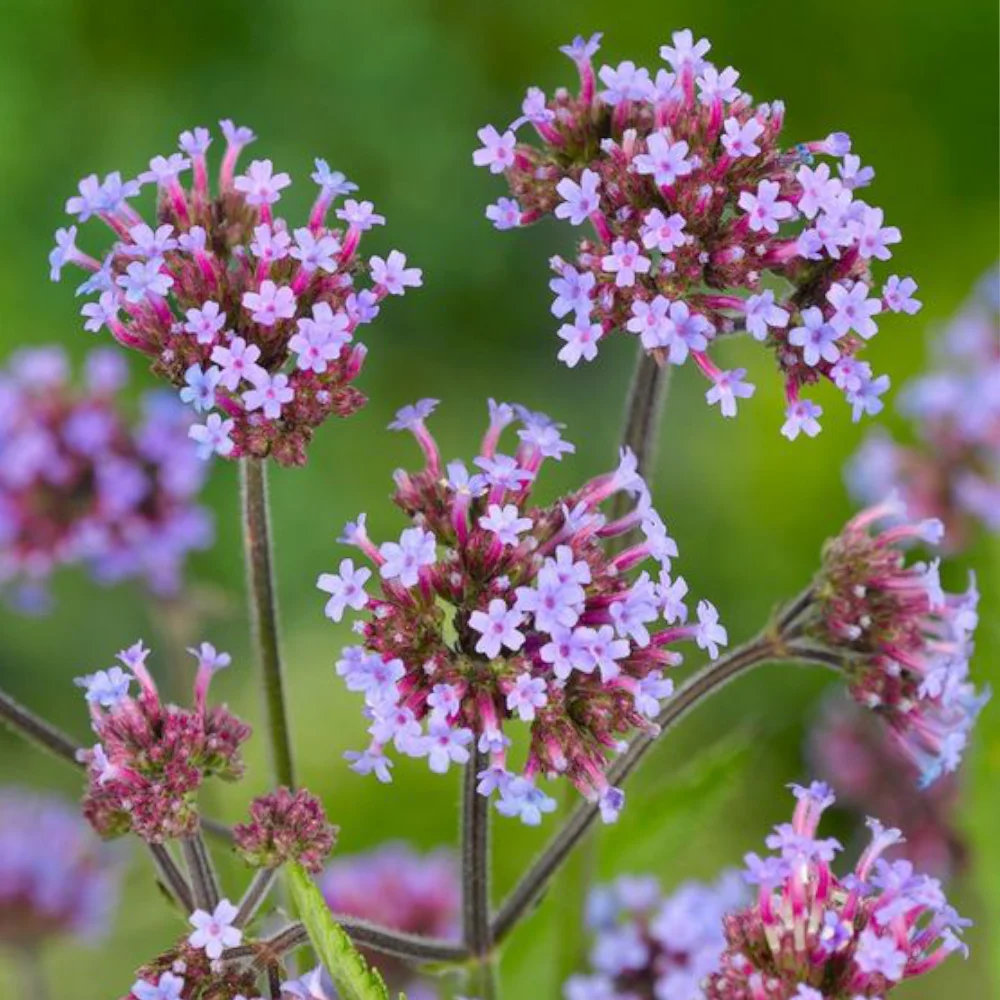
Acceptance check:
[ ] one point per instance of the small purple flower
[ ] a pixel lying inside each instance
(403, 560)
(816, 337)
(393, 275)
(271, 304)
(762, 312)
(346, 589)
(205, 323)
(664, 159)
(802, 416)
(214, 932)
(269, 394)
(741, 139)
(581, 337)
(764, 210)
(727, 388)
(625, 261)
(579, 201)
(505, 523)
(663, 233)
(260, 184)
(497, 151)
(505, 214)
(498, 628)
(853, 309)
(199, 392)
(898, 293)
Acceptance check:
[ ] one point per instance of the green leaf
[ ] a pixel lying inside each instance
(348, 969)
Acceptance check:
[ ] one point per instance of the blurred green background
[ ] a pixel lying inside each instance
(392, 92)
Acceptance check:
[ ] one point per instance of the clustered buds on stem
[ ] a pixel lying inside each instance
(902, 641)
(697, 213)
(252, 322)
(397, 887)
(493, 610)
(56, 878)
(648, 946)
(953, 472)
(812, 935)
(150, 759)
(870, 772)
(286, 826)
(83, 481)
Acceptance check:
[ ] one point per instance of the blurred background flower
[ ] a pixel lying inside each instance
(392, 92)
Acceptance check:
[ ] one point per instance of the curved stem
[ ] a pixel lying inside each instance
(643, 409)
(475, 860)
(644, 404)
(409, 947)
(699, 686)
(36, 730)
(264, 613)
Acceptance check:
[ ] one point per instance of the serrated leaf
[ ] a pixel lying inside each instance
(351, 974)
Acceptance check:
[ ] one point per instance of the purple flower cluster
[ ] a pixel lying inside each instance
(82, 481)
(860, 759)
(395, 886)
(252, 321)
(286, 826)
(902, 641)
(150, 759)
(812, 935)
(492, 610)
(699, 215)
(648, 946)
(56, 878)
(953, 473)
(192, 971)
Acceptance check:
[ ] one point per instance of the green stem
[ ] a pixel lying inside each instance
(36, 730)
(484, 979)
(264, 613)
(644, 404)
(696, 689)
(475, 861)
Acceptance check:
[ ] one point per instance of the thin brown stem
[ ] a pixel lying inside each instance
(264, 614)
(475, 860)
(171, 877)
(201, 871)
(36, 730)
(705, 682)
(256, 893)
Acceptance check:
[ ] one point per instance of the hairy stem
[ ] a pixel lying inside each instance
(256, 893)
(644, 404)
(643, 409)
(171, 877)
(475, 860)
(409, 947)
(204, 883)
(699, 686)
(264, 613)
(43, 734)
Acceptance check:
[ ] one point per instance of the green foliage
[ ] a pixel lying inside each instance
(350, 973)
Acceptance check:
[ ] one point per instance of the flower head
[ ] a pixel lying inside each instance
(647, 943)
(86, 482)
(494, 612)
(150, 759)
(813, 933)
(952, 471)
(286, 826)
(221, 279)
(696, 200)
(902, 641)
(56, 878)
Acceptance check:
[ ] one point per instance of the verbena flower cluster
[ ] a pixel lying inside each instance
(85, 481)
(286, 826)
(813, 935)
(398, 887)
(902, 641)
(648, 946)
(253, 321)
(56, 877)
(871, 773)
(192, 971)
(703, 224)
(150, 759)
(492, 611)
(953, 472)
